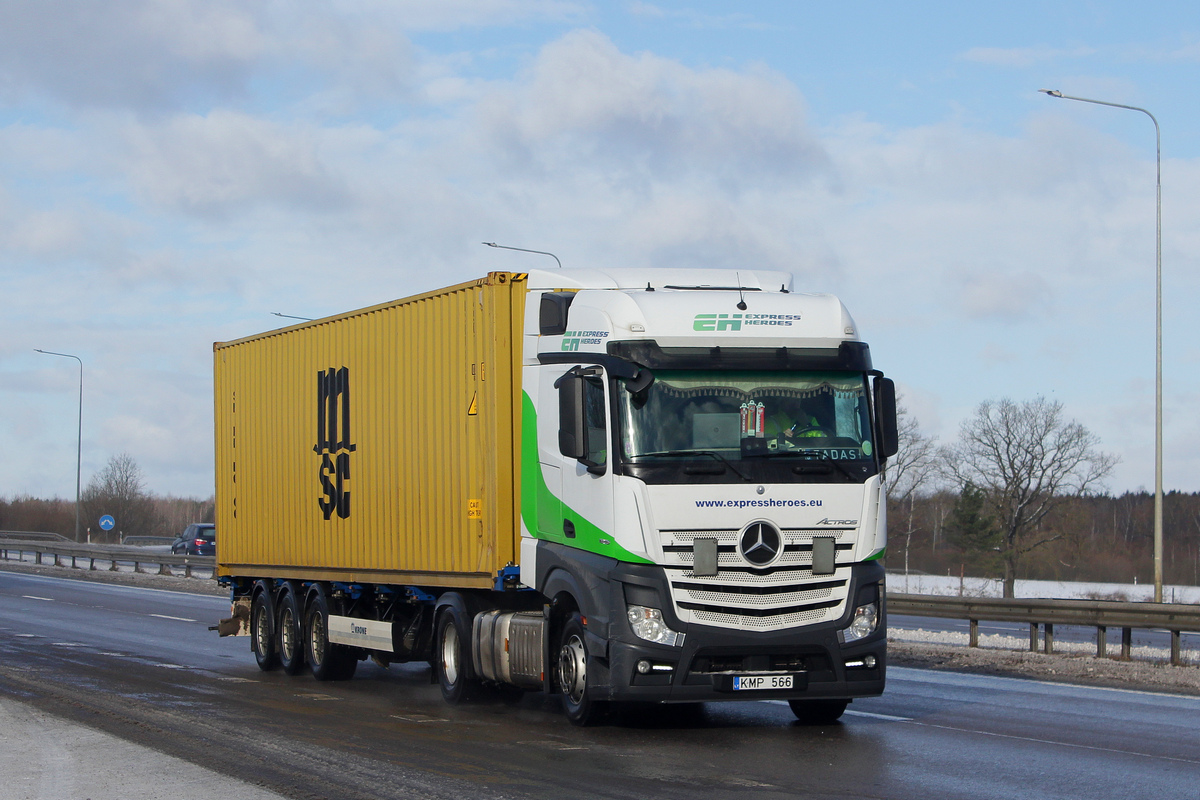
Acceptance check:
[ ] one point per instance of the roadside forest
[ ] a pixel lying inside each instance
(118, 490)
(1096, 538)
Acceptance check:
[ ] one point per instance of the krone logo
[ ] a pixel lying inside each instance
(760, 543)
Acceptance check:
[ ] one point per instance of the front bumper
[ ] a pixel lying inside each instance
(703, 667)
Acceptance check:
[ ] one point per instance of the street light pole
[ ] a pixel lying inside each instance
(523, 250)
(1158, 419)
(79, 442)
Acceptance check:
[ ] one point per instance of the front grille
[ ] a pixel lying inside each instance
(742, 596)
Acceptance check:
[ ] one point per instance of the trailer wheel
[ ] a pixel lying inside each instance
(578, 702)
(452, 656)
(328, 661)
(818, 712)
(262, 631)
(291, 642)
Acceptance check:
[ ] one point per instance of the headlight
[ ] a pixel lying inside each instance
(864, 623)
(647, 623)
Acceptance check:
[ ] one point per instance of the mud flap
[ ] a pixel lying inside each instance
(239, 623)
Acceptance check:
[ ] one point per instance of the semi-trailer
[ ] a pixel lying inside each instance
(614, 485)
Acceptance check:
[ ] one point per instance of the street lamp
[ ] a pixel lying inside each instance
(79, 444)
(523, 250)
(1158, 424)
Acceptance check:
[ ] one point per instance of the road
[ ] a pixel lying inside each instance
(141, 664)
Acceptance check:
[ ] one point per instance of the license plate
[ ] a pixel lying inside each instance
(744, 683)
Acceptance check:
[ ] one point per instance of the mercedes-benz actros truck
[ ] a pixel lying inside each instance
(619, 486)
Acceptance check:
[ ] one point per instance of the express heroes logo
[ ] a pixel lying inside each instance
(334, 444)
(573, 340)
(735, 322)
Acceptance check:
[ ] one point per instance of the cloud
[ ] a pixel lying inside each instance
(225, 161)
(587, 104)
(165, 55)
(1012, 296)
(138, 53)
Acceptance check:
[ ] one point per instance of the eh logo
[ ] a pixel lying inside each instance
(333, 441)
(717, 322)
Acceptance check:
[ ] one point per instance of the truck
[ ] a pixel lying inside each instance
(620, 486)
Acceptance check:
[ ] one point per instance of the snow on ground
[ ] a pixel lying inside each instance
(952, 585)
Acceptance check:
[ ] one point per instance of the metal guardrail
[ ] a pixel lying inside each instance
(1100, 614)
(112, 553)
(148, 541)
(33, 536)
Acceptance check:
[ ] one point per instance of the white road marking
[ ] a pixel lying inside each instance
(32, 597)
(869, 714)
(872, 715)
(177, 619)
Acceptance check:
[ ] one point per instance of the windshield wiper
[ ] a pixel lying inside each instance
(690, 453)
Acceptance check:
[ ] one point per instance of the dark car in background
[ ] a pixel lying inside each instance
(197, 539)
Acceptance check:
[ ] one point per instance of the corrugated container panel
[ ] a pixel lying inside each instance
(379, 445)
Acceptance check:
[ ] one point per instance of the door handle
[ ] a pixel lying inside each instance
(569, 528)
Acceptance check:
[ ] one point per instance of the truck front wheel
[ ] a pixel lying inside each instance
(818, 712)
(580, 707)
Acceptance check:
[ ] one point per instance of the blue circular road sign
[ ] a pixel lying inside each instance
(107, 522)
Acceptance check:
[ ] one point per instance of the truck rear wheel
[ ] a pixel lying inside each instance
(580, 707)
(818, 712)
(452, 656)
(291, 642)
(262, 631)
(328, 661)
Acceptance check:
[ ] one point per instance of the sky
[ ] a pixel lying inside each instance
(172, 172)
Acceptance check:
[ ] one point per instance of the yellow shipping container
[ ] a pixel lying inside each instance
(381, 445)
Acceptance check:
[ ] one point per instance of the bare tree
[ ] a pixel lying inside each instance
(1024, 459)
(119, 491)
(909, 471)
(915, 464)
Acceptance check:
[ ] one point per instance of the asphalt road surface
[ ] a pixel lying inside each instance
(141, 665)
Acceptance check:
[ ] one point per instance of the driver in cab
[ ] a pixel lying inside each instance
(791, 420)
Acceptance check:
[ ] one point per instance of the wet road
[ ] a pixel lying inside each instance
(142, 664)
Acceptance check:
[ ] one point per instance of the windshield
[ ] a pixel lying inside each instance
(748, 416)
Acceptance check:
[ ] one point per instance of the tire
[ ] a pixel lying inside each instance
(452, 656)
(328, 661)
(262, 631)
(571, 672)
(818, 712)
(290, 638)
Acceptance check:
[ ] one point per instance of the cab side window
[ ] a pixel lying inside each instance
(593, 415)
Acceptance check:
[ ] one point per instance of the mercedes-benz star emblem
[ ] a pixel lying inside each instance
(760, 543)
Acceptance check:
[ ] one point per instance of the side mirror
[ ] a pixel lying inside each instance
(572, 430)
(885, 417)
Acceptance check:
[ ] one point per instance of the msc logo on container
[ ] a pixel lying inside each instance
(333, 441)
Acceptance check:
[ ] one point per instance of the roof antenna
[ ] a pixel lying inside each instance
(523, 250)
(741, 295)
